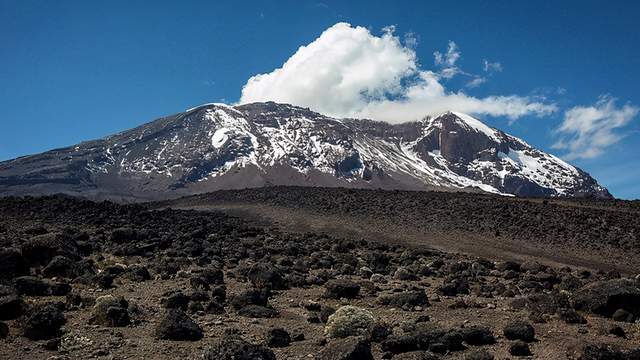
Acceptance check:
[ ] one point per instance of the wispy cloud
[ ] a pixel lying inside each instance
(447, 61)
(491, 67)
(350, 72)
(587, 131)
(476, 81)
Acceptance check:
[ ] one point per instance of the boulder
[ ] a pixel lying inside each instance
(44, 323)
(571, 316)
(176, 325)
(110, 311)
(137, 273)
(277, 338)
(519, 348)
(338, 288)
(236, 348)
(4, 330)
(41, 249)
(12, 264)
(250, 297)
(406, 298)
(607, 352)
(60, 266)
(606, 297)
(622, 315)
(350, 321)
(175, 300)
(32, 286)
(265, 275)
(519, 330)
(477, 335)
(11, 307)
(351, 348)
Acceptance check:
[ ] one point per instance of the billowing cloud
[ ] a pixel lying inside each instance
(349, 72)
(587, 131)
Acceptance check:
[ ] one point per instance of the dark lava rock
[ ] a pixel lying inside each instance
(4, 330)
(250, 297)
(44, 323)
(519, 330)
(110, 311)
(265, 275)
(532, 267)
(60, 266)
(549, 303)
(378, 262)
(607, 352)
(453, 287)
(622, 315)
(410, 298)
(479, 355)
(325, 312)
(212, 276)
(176, 325)
(570, 316)
(519, 348)
(31, 286)
(477, 335)
(12, 264)
(380, 332)
(137, 273)
(617, 331)
(219, 293)
(236, 348)
(425, 336)
(59, 289)
(338, 288)
(103, 280)
(11, 307)
(256, 311)
(606, 297)
(351, 348)
(278, 338)
(508, 266)
(175, 300)
(41, 249)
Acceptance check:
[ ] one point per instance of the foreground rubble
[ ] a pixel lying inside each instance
(100, 280)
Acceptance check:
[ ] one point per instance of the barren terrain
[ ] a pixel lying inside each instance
(294, 273)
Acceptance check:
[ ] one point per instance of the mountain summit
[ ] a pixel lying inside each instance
(217, 146)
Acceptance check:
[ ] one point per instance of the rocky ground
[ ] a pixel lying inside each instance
(83, 280)
(601, 234)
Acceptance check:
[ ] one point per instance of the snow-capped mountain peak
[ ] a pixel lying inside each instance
(218, 146)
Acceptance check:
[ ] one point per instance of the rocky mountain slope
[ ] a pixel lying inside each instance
(216, 146)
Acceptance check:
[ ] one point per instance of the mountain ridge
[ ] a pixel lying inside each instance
(217, 146)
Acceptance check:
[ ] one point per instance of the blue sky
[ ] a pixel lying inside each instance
(78, 70)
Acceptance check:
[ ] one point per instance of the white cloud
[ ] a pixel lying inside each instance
(587, 131)
(490, 67)
(476, 81)
(349, 72)
(447, 61)
(449, 58)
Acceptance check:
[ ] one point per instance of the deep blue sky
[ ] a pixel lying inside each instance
(77, 70)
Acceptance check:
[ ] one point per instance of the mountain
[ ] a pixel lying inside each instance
(217, 146)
